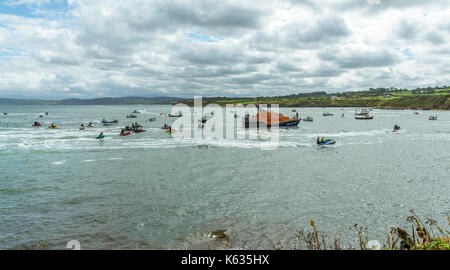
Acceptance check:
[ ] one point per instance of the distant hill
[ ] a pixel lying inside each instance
(94, 101)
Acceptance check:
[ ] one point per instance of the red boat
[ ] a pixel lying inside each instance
(37, 124)
(125, 133)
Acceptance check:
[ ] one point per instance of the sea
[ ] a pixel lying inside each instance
(153, 190)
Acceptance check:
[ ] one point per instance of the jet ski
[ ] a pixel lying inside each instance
(326, 142)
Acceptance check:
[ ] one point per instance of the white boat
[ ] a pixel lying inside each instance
(363, 117)
(432, 117)
(180, 114)
(363, 111)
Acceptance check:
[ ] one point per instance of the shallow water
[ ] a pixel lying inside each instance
(152, 191)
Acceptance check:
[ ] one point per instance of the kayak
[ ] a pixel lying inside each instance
(326, 142)
(38, 125)
(165, 128)
(53, 127)
(171, 131)
(125, 134)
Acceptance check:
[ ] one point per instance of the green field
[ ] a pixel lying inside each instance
(434, 99)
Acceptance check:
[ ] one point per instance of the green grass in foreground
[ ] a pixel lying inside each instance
(422, 236)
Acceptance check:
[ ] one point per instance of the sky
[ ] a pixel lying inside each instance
(98, 48)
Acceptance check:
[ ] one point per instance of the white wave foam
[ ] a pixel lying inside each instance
(59, 162)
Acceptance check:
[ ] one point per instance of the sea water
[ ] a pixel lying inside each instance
(153, 191)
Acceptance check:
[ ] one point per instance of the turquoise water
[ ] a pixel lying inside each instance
(152, 191)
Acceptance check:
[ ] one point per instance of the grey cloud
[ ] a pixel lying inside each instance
(435, 38)
(407, 29)
(360, 59)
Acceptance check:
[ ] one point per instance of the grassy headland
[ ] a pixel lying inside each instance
(425, 98)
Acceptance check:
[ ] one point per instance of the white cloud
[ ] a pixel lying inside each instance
(181, 48)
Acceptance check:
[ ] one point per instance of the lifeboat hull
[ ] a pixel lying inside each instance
(288, 123)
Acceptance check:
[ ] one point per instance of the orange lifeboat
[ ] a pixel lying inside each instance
(268, 118)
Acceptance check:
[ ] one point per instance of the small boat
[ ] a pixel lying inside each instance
(131, 116)
(176, 115)
(109, 123)
(327, 114)
(293, 110)
(125, 133)
(308, 119)
(268, 118)
(152, 119)
(396, 128)
(54, 127)
(327, 142)
(82, 128)
(40, 116)
(364, 117)
(416, 113)
(5, 113)
(363, 111)
(432, 117)
(37, 124)
(171, 130)
(136, 111)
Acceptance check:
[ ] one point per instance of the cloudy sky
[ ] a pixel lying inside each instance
(93, 48)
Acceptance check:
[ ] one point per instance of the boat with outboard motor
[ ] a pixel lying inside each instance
(180, 114)
(308, 119)
(110, 123)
